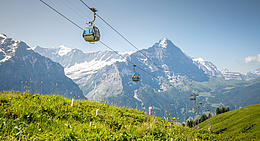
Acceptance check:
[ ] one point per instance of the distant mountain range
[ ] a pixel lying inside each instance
(106, 75)
(22, 69)
(82, 67)
(210, 69)
(68, 57)
(166, 82)
(79, 65)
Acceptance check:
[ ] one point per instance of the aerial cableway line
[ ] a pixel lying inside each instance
(123, 37)
(99, 40)
(61, 14)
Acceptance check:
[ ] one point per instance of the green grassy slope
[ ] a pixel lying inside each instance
(36, 117)
(241, 124)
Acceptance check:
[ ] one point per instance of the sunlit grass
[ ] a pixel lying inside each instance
(241, 124)
(25, 116)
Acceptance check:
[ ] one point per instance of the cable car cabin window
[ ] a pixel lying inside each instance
(88, 30)
(96, 31)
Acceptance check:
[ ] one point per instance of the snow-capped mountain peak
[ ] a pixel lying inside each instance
(64, 50)
(208, 67)
(126, 53)
(33, 48)
(19, 63)
(163, 43)
(198, 59)
(254, 73)
(9, 47)
(257, 71)
(224, 70)
(3, 36)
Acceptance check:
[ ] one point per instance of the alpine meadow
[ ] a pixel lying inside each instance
(130, 70)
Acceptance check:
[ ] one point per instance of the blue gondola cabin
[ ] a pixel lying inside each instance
(91, 34)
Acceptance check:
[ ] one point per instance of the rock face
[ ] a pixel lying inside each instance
(173, 60)
(96, 73)
(210, 69)
(24, 70)
(104, 73)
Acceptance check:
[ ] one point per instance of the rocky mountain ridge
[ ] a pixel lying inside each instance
(210, 69)
(24, 70)
(172, 65)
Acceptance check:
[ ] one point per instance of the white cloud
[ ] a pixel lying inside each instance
(252, 59)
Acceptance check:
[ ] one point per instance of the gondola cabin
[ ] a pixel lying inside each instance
(192, 98)
(136, 77)
(91, 34)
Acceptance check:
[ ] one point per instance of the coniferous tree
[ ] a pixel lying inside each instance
(203, 118)
(190, 123)
(223, 110)
(209, 116)
(217, 111)
(228, 109)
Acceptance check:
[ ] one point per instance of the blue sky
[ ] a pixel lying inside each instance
(224, 32)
